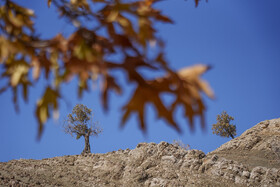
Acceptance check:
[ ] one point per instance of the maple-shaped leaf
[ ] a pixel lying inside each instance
(193, 75)
(185, 85)
(188, 92)
(138, 102)
(131, 64)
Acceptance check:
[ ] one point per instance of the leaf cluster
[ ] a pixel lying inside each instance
(79, 122)
(223, 127)
(103, 30)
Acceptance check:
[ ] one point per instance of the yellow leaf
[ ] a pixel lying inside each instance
(43, 114)
(19, 71)
(15, 20)
(44, 105)
(30, 12)
(112, 16)
(73, 1)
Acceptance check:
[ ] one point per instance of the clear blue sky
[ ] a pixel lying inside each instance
(240, 39)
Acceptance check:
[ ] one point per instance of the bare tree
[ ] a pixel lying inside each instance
(79, 123)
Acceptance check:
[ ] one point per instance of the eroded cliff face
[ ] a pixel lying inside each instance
(162, 164)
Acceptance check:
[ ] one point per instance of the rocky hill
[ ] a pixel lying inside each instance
(253, 159)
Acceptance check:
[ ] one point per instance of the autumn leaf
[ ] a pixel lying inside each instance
(193, 74)
(137, 104)
(109, 84)
(185, 85)
(49, 3)
(44, 106)
(188, 92)
(111, 29)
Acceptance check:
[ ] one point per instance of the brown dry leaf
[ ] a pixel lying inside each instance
(196, 2)
(192, 74)
(149, 2)
(162, 18)
(141, 97)
(131, 64)
(49, 3)
(126, 30)
(188, 92)
(79, 67)
(109, 83)
(146, 31)
(122, 40)
(185, 85)
(59, 43)
(45, 63)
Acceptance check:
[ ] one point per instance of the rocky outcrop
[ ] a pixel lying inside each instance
(258, 146)
(151, 164)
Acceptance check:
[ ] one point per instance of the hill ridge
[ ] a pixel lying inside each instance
(163, 164)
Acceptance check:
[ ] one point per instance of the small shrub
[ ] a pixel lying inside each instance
(180, 143)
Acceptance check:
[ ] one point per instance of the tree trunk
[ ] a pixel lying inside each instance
(231, 136)
(87, 145)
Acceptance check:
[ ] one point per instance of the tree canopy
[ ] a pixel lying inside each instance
(223, 127)
(103, 29)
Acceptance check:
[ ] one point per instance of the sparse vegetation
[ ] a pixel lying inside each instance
(223, 127)
(180, 143)
(79, 123)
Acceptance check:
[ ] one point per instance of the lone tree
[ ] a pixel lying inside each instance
(223, 127)
(79, 123)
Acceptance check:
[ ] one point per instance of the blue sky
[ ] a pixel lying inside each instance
(240, 39)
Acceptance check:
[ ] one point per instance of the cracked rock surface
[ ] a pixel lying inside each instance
(249, 160)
